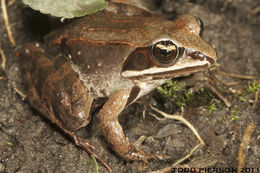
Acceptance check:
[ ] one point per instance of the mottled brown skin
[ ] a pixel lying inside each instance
(107, 56)
(45, 82)
(54, 89)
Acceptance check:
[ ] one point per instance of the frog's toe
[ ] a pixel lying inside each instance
(85, 145)
(136, 154)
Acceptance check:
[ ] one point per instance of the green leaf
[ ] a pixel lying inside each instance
(67, 8)
(95, 164)
(10, 144)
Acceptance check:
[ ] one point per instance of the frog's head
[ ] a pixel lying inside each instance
(171, 54)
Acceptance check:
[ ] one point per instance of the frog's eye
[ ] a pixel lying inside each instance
(164, 51)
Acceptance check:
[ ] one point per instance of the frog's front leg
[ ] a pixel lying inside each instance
(112, 130)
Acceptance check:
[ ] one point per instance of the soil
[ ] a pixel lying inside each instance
(30, 143)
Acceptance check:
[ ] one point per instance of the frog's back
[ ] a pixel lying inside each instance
(108, 28)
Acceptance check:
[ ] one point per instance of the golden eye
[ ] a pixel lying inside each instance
(164, 51)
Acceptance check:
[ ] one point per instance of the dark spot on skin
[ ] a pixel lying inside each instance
(59, 61)
(134, 93)
(64, 46)
(42, 75)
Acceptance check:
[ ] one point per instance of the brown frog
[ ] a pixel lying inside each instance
(118, 57)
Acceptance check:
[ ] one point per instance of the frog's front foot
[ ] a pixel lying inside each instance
(136, 154)
(121, 145)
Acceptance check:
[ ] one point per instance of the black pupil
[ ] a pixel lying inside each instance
(164, 51)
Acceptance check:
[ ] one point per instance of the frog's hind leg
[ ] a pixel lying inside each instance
(36, 69)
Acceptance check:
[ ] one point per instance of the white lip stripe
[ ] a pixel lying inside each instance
(156, 70)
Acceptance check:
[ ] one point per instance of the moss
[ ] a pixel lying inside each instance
(175, 91)
(183, 97)
(212, 107)
(235, 113)
(180, 94)
(252, 88)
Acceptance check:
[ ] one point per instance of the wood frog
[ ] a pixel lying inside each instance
(118, 57)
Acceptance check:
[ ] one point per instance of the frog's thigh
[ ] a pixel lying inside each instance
(112, 130)
(72, 101)
(57, 94)
(72, 104)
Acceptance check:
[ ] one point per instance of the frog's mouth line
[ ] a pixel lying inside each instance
(178, 73)
(181, 69)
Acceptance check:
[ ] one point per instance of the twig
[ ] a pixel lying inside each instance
(213, 80)
(256, 99)
(244, 145)
(139, 141)
(11, 2)
(3, 64)
(237, 75)
(158, 118)
(144, 111)
(215, 91)
(20, 93)
(212, 83)
(255, 10)
(188, 155)
(180, 118)
(232, 83)
(168, 168)
(5, 16)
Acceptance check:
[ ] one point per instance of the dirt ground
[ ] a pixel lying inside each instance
(30, 143)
